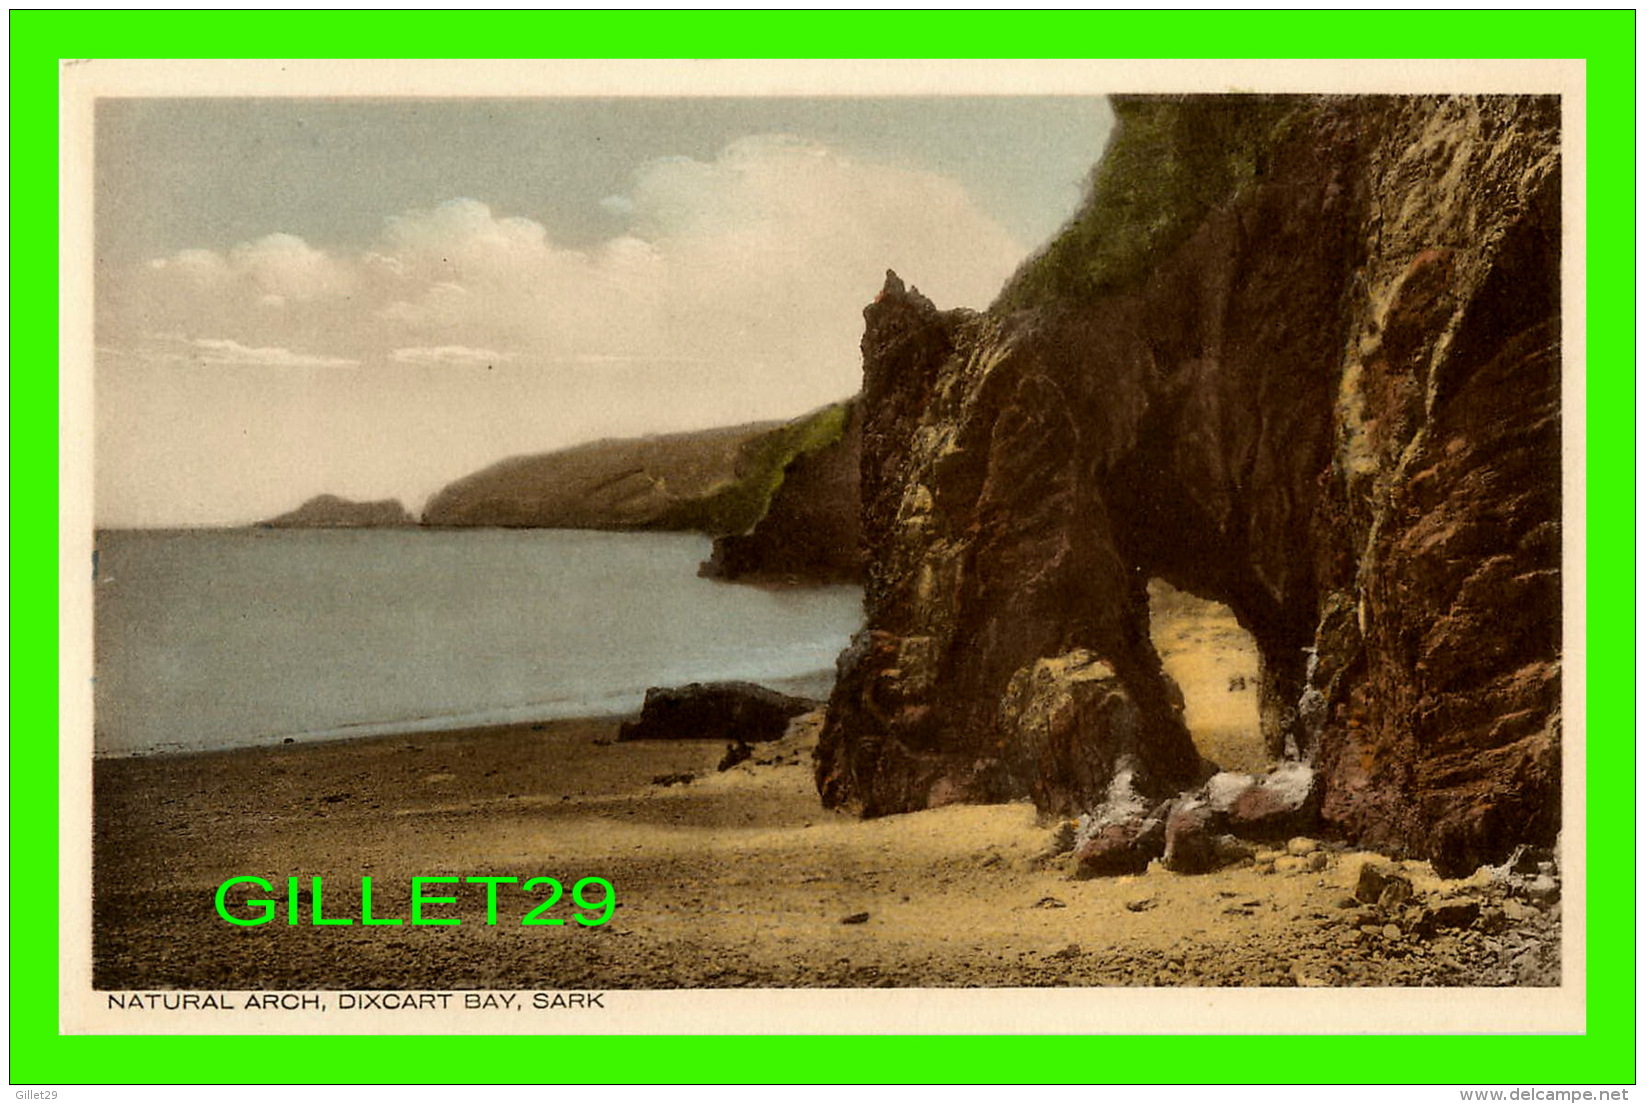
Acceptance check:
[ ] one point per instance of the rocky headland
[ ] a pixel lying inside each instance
(717, 481)
(331, 512)
(811, 531)
(1297, 355)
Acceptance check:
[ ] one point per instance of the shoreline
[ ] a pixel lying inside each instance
(623, 706)
(458, 725)
(732, 879)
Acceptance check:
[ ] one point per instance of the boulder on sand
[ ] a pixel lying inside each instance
(1380, 884)
(1195, 842)
(1123, 834)
(739, 712)
(1282, 803)
(1125, 847)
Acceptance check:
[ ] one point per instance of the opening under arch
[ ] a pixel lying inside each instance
(1214, 661)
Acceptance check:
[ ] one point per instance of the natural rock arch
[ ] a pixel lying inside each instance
(1326, 396)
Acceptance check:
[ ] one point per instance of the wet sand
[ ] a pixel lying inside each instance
(731, 879)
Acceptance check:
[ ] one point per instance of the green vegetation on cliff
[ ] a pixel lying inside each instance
(1169, 162)
(736, 507)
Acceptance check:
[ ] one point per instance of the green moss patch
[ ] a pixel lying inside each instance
(764, 461)
(1169, 162)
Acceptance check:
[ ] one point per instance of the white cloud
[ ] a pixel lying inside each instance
(783, 241)
(286, 266)
(226, 351)
(462, 242)
(449, 354)
(276, 267)
(200, 267)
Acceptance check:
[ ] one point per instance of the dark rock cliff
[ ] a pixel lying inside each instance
(812, 530)
(332, 512)
(1297, 355)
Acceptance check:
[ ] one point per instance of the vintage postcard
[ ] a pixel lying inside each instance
(841, 547)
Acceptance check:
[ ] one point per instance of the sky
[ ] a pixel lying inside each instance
(372, 298)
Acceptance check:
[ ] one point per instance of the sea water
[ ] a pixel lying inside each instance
(228, 638)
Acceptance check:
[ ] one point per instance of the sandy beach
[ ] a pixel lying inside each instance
(735, 878)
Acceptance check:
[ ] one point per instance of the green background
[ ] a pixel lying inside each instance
(1605, 1054)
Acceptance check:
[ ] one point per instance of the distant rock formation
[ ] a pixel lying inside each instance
(1299, 355)
(717, 481)
(330, 512)
(812, 531)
